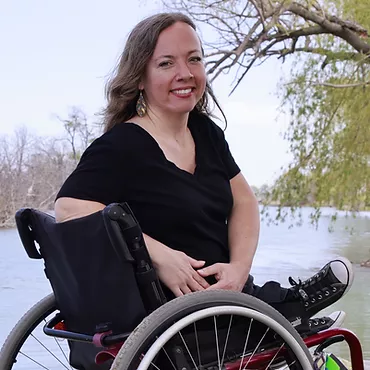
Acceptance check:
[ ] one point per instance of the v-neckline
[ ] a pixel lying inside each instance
(170, 163)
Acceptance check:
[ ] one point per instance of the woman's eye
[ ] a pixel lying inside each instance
(164, 64)
(196, 59)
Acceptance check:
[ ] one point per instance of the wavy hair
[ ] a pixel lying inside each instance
(122, 89)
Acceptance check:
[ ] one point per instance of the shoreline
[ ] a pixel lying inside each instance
(325, 211)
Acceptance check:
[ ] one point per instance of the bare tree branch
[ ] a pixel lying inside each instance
(341, 86)
(259, 29)
(348, 31)
(32, 169)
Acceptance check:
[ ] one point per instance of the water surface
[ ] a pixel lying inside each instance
(282, 252)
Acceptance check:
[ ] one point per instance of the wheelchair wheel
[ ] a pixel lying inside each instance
(27, 347)
(214, 330)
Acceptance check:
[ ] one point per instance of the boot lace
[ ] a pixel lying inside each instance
(307, 289)
(298, 288)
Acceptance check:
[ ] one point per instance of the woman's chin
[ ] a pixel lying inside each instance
(183, 109)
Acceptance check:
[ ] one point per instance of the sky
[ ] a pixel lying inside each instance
(58, 54)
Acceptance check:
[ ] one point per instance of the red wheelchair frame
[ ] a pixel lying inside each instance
(314, 340)
(123, 229)
(112, 345)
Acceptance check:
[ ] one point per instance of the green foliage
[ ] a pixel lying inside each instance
(328, 98)
(326, 94)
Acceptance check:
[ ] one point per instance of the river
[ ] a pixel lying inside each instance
(282, 252)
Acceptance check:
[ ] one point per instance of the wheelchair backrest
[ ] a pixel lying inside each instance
(90, 269)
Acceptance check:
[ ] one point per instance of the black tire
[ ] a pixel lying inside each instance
(156, 323)
(23, 330)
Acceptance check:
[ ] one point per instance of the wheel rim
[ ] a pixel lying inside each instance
(255, 316)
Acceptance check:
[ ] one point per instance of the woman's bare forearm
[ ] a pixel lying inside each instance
(244, 225)
(156, 249)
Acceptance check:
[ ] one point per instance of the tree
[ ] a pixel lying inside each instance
(79, 133)
(32, 169)
(326, 95)
(328, 99)
(255, 30)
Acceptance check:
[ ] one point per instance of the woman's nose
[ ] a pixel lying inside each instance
(184, 72)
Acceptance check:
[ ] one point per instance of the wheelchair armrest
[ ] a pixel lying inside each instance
(128, 241)
(115, 233)
(126, 233)
(24, 226)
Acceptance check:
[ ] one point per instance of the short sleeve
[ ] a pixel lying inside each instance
(223, 149)
(99, 175)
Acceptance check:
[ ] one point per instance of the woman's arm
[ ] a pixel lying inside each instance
(175, 269)
(243, 226)
(67, 209)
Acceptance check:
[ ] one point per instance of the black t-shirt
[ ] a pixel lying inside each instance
(184, 211)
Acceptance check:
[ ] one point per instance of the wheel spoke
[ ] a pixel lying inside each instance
(197, 343)
(255, 350)
(34, 361)
(34, 349)
(169, 358)
(273, 359)
(246, 343)
(188, 329)
(154, 365)
(217, 346)
(187, 349)
(226, 340)
(64, 354)
(47, 349)
(61, 350)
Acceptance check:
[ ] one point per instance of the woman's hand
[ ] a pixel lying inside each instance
(178, 273)
(229, 276)
(176, 269)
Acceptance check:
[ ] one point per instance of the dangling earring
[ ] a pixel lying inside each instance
(141, 107)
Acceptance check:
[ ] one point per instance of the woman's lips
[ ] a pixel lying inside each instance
(183, 92)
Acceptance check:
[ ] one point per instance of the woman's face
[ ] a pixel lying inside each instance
(175, 77)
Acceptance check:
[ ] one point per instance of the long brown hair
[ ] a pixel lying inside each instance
(122, 89)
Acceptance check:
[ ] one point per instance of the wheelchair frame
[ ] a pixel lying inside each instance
(111, 344)
(326, 337)
(125, 231)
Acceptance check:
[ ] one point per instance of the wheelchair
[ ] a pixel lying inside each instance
(108, 310)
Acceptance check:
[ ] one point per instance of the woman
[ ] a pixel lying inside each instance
(163, 155)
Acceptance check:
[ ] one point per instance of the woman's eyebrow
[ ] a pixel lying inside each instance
(194, 51)
(172, 57)
(165, 56)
